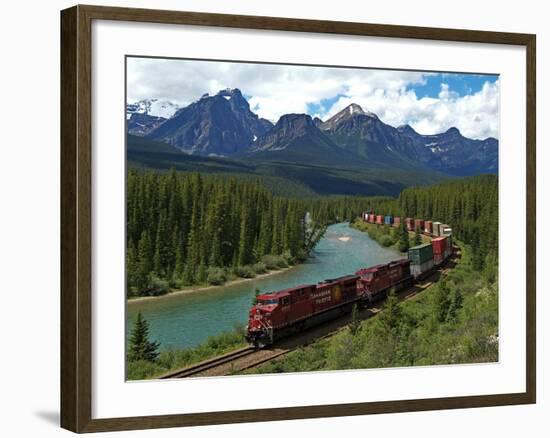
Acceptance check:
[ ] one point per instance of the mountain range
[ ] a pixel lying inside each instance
(354, 142)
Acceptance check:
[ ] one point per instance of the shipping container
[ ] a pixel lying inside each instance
(371, 218)
(421, 253)
(388, 220)
(396, 222)
(428, 227)
(435, 227)
(438, 259)
(409, 223)
(419, 225)
(379, 219)
(445, 230)
(365, 216)
(418, 269)
(439, 245)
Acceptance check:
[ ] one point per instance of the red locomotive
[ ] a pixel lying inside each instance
(377, 281)
(279, 314)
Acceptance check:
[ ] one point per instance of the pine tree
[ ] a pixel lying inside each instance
(355, 324)
(441, 301)
(417, 238)
(404, 238)
(141, 348)
(455, 304)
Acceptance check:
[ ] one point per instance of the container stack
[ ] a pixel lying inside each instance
(445, 230)
(428, 227)
(440, 249)
(422, 259)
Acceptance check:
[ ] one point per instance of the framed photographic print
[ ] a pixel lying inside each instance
(268, 218)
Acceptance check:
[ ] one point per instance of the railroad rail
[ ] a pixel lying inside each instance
(209, 363)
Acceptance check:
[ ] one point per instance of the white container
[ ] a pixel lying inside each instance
(435, 230)
(417, 270)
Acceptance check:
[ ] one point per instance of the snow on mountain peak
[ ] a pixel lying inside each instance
(153, 107)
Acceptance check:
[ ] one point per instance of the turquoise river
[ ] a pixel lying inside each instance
(186, 319)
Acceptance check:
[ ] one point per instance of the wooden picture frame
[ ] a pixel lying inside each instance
(76, 217)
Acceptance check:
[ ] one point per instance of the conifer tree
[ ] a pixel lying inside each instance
(355, 324)
(403, 238)
(141, 348)
(417, 238)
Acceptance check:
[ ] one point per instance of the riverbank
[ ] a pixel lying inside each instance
(196, 289)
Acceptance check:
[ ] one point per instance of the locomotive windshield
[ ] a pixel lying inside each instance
(269, 301)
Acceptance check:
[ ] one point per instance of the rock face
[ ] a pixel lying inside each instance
(363, 133)
(214, 125)
(224, 125)
(142, 124)
(452, 153)
(295, 138)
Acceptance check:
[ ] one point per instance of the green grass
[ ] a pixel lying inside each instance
(172, 360)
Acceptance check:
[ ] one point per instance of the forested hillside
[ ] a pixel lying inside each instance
(188, 228)
(468, 205)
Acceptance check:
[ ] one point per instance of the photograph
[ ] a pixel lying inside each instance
(285, 218)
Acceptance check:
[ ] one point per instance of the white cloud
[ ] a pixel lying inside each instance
(275, 90)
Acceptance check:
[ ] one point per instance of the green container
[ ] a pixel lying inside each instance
(421, 254)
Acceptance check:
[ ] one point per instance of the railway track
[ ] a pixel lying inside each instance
(210, 363)
(248, 357)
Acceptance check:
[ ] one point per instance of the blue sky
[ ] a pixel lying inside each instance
(462, 84)
(429, 102)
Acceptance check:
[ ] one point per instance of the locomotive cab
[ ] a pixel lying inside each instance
(259, 331)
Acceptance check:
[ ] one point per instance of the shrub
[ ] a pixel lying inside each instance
(216, 276)
(274, 262)
(259, 268)
(245, 271)
(157, 286)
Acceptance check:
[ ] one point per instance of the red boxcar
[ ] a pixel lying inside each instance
(439, 258)
(428, 227)
(380, 219)
(396, 222)
(288, 311)
(371, 218)
(439, 245)
(419, 225)
(409, 222)
(376, 281)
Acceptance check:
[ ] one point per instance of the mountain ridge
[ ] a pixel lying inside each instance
(224, 125)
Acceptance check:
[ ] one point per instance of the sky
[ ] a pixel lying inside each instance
(431, 102)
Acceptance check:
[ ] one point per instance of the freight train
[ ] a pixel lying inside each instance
(282, 313)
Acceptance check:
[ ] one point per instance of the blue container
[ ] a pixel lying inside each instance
(388, 220)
